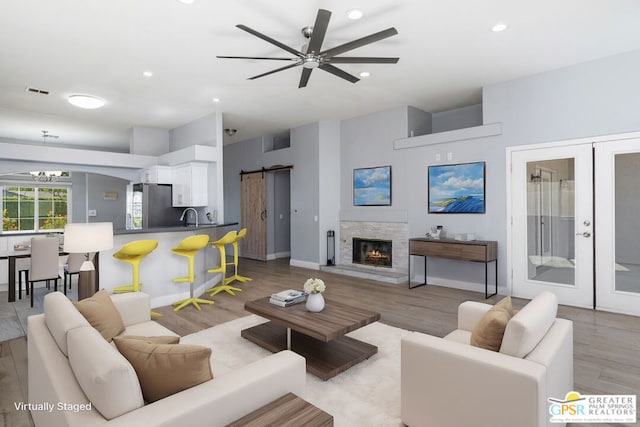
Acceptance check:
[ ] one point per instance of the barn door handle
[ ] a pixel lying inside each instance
(263, 214)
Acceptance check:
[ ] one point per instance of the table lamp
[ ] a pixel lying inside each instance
(87, 238)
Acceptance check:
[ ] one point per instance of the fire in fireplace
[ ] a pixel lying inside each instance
(372, 252)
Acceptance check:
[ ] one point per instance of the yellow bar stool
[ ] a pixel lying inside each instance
(241, 234)
(227, 239)
(133, 253)
(188, 248)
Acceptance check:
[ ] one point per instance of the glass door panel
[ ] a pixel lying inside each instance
(550, 221)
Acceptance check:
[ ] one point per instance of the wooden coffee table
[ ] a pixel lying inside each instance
(319, 337)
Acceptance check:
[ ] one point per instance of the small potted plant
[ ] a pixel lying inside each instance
(315, 300)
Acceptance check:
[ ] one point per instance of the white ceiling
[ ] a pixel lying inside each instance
(447, 54)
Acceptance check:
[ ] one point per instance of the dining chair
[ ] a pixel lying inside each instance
(72, 266)
(44, 262)
(22, 267)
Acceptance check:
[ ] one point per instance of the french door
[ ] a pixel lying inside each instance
(552, 223)
(617, 207)
(575, 228)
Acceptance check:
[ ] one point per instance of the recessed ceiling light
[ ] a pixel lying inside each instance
(88, 102)
(354, 14)
(216, 99)
(365, 74)
(147, 74)
(499, 27)
(186, 1)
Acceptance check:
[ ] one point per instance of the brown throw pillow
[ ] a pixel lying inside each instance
(165, 369)
(490, 329)
(102, 314)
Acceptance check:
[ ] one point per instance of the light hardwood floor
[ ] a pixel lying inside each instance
(606, 345)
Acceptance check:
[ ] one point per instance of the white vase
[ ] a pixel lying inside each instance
(315, 302)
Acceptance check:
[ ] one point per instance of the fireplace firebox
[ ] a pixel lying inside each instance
(372, 252)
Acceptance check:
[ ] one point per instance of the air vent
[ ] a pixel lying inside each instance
(35, 90)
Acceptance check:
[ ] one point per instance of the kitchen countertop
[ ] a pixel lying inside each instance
(173, 228)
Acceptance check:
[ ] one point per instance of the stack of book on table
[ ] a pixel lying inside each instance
(288, 297)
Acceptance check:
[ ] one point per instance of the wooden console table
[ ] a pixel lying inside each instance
(474, 251)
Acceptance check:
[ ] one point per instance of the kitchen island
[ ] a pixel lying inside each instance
(160, 267)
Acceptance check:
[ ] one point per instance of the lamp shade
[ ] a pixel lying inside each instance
(88, 237)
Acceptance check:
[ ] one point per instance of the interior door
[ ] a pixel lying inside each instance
(563, 200)
(617, 190)
(254, 215)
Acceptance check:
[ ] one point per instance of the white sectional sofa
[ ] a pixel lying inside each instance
(448, 382)
(61, 337)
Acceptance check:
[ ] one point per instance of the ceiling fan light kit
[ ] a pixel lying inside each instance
(313, 57)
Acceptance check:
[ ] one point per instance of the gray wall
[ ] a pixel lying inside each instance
(148, 141)
(281, 212)
(201, 131)
(305, 190)
(594, 98)
(107, 210)
(459, 118)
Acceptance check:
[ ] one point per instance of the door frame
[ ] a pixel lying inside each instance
(508, 198)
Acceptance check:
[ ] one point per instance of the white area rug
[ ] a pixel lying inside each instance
(367, 394)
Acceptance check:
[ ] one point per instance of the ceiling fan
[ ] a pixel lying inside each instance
(313, 57)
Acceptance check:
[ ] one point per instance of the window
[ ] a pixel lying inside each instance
(32, 208)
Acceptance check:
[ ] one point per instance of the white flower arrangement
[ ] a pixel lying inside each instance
(314, 286)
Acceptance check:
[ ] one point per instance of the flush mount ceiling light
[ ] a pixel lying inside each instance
(147, 74)
(88, 102)
(216, 99)
(499, 27)
(354, 14)
(364, 74)
(186, 1)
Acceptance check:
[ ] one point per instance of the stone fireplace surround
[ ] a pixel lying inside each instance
(397, 232)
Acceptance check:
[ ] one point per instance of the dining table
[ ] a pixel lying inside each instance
(25, 252)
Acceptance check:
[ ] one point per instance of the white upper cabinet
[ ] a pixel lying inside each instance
(190, 185)
(156, 175)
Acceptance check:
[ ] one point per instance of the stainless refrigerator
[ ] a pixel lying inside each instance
(150, 206)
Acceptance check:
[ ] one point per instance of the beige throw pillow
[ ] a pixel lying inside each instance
(164, 339)
(490, 329)
(102, 314)
(165, 369)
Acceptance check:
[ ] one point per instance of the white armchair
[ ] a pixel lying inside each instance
(448, 382)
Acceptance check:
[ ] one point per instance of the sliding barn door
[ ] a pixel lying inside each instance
(254, 215)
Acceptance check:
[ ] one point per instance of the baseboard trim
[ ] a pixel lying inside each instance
(277, 255)
(304, 264)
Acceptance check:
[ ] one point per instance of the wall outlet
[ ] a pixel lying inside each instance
(438, 157)
(92, 212)
(449, 155)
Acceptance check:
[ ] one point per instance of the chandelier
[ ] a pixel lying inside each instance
(45, 176)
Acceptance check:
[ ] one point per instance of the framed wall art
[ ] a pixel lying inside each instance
(456, 188)
(372, 186)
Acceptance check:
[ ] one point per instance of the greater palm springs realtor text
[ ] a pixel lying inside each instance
(50, 407)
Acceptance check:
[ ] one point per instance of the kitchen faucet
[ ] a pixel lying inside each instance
(184, 212)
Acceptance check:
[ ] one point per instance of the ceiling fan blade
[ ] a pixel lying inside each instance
(257, 57)
(361, 60)
(270, 40)
(275, 71)
(359, 43)
(304, 78)
(319, 31)
(338, 72)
